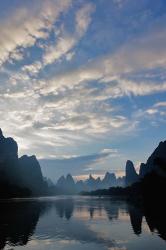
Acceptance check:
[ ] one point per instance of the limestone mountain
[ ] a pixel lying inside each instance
(131, 175)
(24, 172)
(9, 163)
(61, 182)
(31, 174)
(109, 180)
(80, 186)
(156, 162)
(66, 185)
(91, 183)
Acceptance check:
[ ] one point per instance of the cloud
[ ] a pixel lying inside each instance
(66, 40)
(63, 46)
(160, 104)
(109, 150)
(33, 68)
(26, 25)
(83, 18)
(58, 122)
(154, 114)
(143, 53)
(151, 111)
(158, 109)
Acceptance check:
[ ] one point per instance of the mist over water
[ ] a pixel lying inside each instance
(79, 223)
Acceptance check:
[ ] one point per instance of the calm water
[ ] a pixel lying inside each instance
(78, 223)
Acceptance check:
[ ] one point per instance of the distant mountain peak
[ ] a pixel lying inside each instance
(69, 177)
(129, 164)
(1, 134)
(80, 181)
(109, 180)
(62, 177)
(107, 174)
(66, 184)
(91, 177)
(61, 180)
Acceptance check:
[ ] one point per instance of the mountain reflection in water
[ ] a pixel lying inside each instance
(80, 223)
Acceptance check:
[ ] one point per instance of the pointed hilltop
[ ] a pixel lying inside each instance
(131, 174)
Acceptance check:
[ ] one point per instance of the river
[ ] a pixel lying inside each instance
(78, 223)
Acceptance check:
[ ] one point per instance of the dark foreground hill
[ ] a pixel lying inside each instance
(19, 177)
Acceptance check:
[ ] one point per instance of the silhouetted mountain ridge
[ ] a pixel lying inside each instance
(16, 173)
(131, 175)
(156, 162)
(68, 185)
(23, 176)
(149, 184)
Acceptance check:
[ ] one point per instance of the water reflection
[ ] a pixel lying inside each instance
(64, 208)
(18, 221)
(136, 216)
(73, 221)
(155, 215)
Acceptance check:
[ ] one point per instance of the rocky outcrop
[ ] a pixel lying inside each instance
(69, 180)
(120, 181)
(61, 182)
(143, 170)
(70, 184)
(66, 185)
(31, 174)
(91, 183)
(9, 163)
(24, 172)
(109, 180)
(80, 186)
(131, 175)
(156, 162)
(8, 148)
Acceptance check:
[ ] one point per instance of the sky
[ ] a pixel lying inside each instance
(83, 83)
